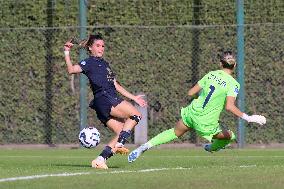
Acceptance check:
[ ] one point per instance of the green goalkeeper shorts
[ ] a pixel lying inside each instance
(205, 131)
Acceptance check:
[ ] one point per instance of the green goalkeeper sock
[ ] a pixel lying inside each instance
(218, 144)
(164, 137)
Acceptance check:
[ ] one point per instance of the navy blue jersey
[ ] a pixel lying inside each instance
(100, 75)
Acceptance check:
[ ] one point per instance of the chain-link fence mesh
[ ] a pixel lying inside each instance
(160, 48)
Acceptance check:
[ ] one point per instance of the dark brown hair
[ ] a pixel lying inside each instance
(86, 43)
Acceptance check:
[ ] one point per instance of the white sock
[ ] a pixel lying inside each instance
(100, 158)
(148, 145)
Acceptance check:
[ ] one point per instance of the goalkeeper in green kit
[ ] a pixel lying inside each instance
(218, 90)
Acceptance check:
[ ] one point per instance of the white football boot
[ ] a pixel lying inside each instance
(99, 163)
(137, 152)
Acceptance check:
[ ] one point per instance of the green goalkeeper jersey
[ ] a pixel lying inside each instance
(216, 86)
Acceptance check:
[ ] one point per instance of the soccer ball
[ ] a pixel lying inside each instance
(89, 137)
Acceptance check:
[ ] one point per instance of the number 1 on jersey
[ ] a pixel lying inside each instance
(212, 89)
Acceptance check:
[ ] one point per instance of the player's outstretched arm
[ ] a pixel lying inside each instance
(138, 99)
(230, 106)
(72, 69)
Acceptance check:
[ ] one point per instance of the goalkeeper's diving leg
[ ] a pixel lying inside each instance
(162, 138)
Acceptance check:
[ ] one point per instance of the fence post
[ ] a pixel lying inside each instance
(141, 129)
(83, 55)
(240, 70)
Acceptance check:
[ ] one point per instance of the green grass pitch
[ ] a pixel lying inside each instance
(158, 168)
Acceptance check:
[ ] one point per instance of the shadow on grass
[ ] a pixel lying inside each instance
(81, 165)
(70, 165)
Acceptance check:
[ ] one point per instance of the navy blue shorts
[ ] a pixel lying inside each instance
(103, 104)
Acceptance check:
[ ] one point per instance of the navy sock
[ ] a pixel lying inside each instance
(123, 135)
(106, 153)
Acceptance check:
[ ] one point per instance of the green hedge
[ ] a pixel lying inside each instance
(151, 47)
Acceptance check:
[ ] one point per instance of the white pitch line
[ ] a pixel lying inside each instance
(99, 173)
(245, 166)
(42, 176)
(86, 173)
(212, 156)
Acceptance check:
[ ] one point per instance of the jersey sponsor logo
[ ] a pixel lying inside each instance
(83, 63)
(236, 90)
(110, 75)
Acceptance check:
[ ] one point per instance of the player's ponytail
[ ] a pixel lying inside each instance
(86, 43)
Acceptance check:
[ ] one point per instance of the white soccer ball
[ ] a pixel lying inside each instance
(89, 137)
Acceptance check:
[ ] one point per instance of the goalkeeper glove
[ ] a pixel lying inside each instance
(254, 118)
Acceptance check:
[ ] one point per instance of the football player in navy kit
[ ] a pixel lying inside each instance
(117, 114)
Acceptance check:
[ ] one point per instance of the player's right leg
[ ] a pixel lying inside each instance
(162, 138)
(100, 161)
(116, 126)
(103, 106)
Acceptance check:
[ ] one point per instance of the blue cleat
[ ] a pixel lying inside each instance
(136, 153)
(207, 147)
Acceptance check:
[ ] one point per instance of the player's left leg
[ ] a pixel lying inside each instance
(131, 114)
(116, 125)
(220, 140)
(169, 135)
(162, 138)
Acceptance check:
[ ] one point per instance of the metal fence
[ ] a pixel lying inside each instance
(160, 48)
